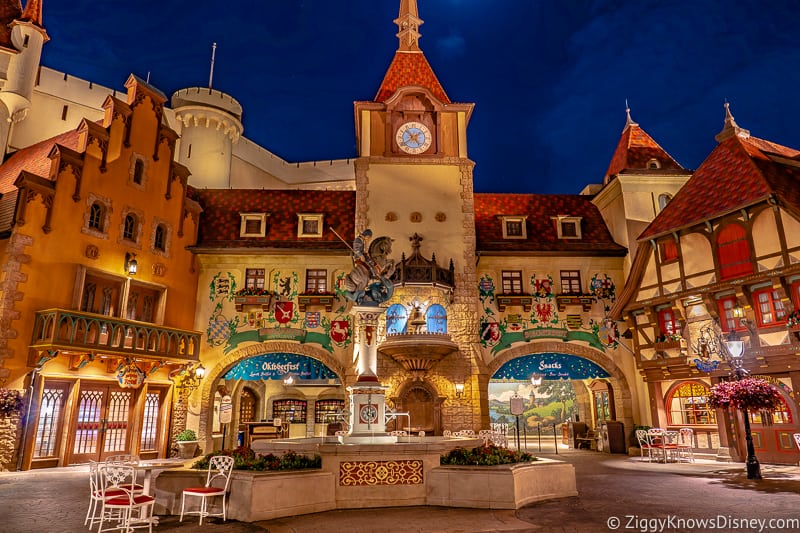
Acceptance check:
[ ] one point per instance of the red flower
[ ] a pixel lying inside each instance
(750, 393)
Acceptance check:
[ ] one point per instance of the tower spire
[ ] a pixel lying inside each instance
(33, 12)
(730, 127)
(408, 23)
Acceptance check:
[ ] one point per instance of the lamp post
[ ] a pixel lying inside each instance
(735, 348)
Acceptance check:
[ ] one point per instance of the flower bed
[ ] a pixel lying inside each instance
(489, 455)
(246, 459)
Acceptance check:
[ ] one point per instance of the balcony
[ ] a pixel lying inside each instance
(418, 352)
(75, 331)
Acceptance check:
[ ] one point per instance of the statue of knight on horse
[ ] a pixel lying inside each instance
(368, 283)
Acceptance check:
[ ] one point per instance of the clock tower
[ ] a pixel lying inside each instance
(413, 174)
(414, 180)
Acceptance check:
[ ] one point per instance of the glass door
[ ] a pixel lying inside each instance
(100, 426)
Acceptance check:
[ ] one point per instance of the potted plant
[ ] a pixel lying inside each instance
(187, 443)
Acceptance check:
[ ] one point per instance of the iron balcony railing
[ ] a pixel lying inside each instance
(100, 334)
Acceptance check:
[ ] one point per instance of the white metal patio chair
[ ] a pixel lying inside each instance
(97, 495)
(644, 444)
(686, 445)
(219, 473)
(118, 510)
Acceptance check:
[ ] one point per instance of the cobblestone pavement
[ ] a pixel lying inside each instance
(635, 492)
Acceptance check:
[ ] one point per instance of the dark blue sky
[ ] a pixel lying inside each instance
(549, 79)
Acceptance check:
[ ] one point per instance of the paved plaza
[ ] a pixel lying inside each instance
(644, 497)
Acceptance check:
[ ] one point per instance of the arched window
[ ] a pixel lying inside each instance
(138, 172)
(653, 164)
(781, 415)
(129, 229)
(396, 319)
(687, 404)
(160, 238)
(663, 200)
(436, 319)
(733, 252)
(96, 215)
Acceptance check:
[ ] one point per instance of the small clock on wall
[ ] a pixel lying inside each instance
(414, 137)
(368, 413)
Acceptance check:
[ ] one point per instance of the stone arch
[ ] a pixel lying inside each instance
(622, 392)
(416, 387)
(228, 361)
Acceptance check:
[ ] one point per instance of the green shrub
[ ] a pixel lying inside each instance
(485, 456)
(246, 459)
(186, 434)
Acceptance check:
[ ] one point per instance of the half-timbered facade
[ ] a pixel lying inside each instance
(722, 257)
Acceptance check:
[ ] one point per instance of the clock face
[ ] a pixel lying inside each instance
(414, 138)
(368, 413)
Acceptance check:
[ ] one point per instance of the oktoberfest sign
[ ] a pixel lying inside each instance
(278, 366)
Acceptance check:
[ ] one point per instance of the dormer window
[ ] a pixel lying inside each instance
(568, 227)
(253, 225)
(309, 225)
(653, 164)
(514, 227)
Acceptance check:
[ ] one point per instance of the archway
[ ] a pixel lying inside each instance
(423, 404)
(590, 366)
(313, 371)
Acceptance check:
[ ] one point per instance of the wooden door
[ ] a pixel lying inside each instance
(772, 435)
(100, 425)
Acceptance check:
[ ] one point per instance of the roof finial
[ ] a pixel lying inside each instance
(628, 120)
(213, 54)
(730, 128)
(408, 23)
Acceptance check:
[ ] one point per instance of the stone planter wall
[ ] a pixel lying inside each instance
(9, 436)
(254, 496)
(500, 487)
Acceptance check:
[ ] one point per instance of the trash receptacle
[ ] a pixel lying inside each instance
(611, 438)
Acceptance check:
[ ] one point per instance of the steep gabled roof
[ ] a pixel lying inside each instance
(33, 13)
(34, 159)
(542, 235)
(636, 149)
(409, 66)
(739, 172)
(221, 220)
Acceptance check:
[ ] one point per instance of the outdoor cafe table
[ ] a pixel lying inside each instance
(149, 466)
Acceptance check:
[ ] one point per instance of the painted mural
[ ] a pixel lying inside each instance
(499, 331)
(261, 314)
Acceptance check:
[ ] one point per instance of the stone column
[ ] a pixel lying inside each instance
(367, 395)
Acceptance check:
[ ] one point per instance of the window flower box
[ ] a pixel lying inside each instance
(264, 300)
(507, 300)
(584, 300)
(320, 299)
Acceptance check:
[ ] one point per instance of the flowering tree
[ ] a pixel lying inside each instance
(753, 394)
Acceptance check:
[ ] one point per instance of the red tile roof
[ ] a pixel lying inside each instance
(33, 12)
(220, 220)
(410, 68)
(738, 172)
(635, 149)
(34, 159)
(541, 230)
(10, 10)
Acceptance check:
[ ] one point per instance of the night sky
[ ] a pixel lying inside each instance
(549, 79)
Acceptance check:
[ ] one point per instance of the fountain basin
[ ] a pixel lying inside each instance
(398, 474)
